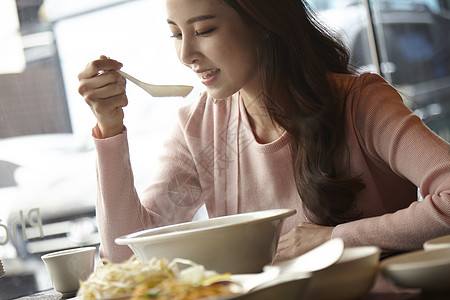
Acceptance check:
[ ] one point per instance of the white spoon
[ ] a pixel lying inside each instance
(316, 259)
(159, 90)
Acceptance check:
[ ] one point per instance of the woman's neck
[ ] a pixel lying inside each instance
(264, 129)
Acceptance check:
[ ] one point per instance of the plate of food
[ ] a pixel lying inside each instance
(179, 279)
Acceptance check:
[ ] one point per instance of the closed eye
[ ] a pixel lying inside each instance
(201, 33)
(197, 33)
(176, 36)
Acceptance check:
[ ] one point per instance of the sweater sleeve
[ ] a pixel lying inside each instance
(172, 195)
(394, 136)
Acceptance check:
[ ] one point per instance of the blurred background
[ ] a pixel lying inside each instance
(47, 160)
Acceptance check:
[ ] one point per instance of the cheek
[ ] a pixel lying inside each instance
(223, 57)
(242, 52)
(241, 62)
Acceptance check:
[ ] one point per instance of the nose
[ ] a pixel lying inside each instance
(188, 51)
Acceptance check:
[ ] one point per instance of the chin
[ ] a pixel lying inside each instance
(219, 94)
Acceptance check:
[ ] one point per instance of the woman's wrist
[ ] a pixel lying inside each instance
(101, 132)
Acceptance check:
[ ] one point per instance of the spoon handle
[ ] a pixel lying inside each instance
(131, 78)
(316, 259)
(159, 90)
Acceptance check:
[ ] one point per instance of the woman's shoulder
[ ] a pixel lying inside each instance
(365, 90)
(357, 82)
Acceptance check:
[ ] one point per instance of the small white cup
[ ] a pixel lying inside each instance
(68, 267)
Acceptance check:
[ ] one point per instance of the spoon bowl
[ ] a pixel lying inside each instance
(159, 90)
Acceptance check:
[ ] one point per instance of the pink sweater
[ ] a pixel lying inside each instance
(213, 158)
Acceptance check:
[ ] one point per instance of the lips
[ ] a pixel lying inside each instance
(207, 75)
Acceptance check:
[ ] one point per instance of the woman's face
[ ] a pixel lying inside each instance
(212, 39)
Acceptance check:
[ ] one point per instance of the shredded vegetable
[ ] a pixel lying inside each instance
(170, 289)
(120, 279)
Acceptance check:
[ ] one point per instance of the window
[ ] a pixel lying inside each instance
(414, 44)
(408, 41)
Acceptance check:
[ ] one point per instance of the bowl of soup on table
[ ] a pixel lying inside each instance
(241, 243)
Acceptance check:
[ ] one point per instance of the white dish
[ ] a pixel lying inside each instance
(242, 243)
(426, 270)
(350, 277)
(437, 243)
(290, 290)
(293, 289)
(318, 258)
(68, 267)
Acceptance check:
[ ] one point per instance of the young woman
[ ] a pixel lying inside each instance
(283, 123)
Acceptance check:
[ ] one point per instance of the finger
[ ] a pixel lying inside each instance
(104, 93)
(101, 64)
(282, 246)
(286, 237)
(281, 255)
(107, 106)
(102, 80)
(282, 241)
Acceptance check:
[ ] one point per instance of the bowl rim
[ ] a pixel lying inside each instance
(67, 252)
(357, 253)
(402, 262)
(266, 215)
(441, 240)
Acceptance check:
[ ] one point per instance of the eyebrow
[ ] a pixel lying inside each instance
(194, 19)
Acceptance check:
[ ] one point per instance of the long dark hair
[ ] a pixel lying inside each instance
(296, 56)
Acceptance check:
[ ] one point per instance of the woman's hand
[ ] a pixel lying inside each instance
(103, 90)
(301, 239)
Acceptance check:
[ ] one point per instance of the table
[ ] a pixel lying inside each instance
(52, 295)
(382, 290)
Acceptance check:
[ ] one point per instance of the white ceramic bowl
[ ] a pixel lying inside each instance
(427, 270)
(437, 243)
(350, 277)
(67, 267)
(242, 243)
(286, 290)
